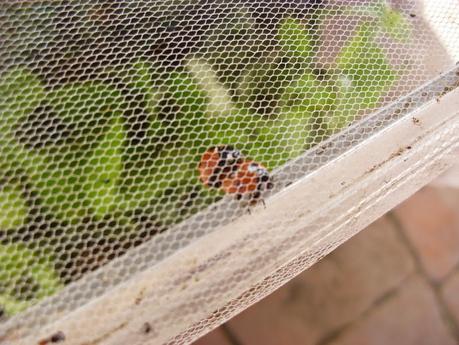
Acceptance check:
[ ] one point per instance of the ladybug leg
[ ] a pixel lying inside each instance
(256, 196)
(263, 202)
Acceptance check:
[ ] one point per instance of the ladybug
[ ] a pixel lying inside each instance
(250, 180)
(225, 168)
(217, 163)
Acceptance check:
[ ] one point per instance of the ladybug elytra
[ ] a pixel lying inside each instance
(225, 168)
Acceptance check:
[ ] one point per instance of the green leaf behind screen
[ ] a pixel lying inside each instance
(25, 277)
(296, 40)
(13, 207)
(365, 76)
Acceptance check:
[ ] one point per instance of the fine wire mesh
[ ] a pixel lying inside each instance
(108, 106)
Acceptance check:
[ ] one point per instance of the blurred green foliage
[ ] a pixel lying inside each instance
(75, 146)
(365, 75)
(21, 93)
(13, 207)
(297, 41)
(76, 176)
(25, 277)
(394, 23)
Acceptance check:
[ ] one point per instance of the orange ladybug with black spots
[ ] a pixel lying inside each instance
(225, 168)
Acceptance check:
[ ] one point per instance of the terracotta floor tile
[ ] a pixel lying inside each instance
(430, 219)
(410, 317)
(333, 292)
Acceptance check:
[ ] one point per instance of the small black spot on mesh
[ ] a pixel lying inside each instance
(146, 328)
(57, 337)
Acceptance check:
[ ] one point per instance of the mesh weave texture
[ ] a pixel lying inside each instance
(107, 108)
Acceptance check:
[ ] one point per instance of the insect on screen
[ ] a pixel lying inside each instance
(166, 163)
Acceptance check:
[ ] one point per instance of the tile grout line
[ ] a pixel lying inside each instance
(446, 314)
(447, 318)
(453, 271)
(333, 335)
(229, 335)
(419, 268)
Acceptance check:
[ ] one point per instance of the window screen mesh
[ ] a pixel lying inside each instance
(108, 107)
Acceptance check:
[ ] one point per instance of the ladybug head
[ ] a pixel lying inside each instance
(228, 155)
